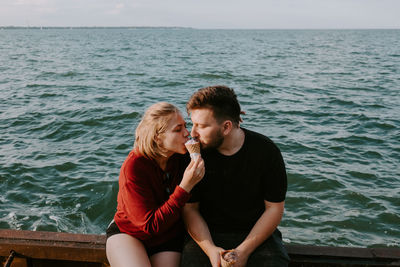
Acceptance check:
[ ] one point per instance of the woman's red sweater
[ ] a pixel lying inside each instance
(150, 201)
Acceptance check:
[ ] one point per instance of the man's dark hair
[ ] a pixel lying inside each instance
(220, 99)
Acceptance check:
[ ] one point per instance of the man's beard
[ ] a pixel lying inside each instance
(216, 141)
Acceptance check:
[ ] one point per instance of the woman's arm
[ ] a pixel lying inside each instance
(140, 199)
(146, 214)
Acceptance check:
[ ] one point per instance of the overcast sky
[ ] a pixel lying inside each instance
(254, 14)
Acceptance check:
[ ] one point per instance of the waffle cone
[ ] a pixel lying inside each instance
(193, 146)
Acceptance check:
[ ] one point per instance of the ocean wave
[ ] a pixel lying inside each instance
(41, 85)
(216, 75)
(57, 75)
(65, 167)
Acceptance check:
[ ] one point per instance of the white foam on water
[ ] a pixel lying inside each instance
(12, 215)
(13, 220)
(35, 225)
(54, 218)
(352, 213)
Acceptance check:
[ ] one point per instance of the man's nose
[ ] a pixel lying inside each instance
(194, 133)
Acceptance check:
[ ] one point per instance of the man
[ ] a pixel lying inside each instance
(240, 201)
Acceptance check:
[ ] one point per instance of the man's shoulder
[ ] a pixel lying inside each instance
(259, 140)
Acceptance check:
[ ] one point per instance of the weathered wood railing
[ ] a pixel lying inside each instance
(46, 249)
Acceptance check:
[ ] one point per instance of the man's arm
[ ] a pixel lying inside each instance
(198, 230)
(263, 228)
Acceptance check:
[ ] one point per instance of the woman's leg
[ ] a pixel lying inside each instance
(166, 259)
(124, 250)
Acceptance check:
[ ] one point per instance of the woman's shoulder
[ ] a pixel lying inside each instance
(136, 162)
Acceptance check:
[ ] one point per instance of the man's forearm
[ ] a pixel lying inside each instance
(263, 228)
(198, 230)
(197, 227)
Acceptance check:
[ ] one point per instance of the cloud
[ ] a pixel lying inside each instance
(36, 6)
(31, 2)
(203, 14)
(117, 9)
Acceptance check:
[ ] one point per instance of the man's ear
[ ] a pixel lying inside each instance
(227, 127)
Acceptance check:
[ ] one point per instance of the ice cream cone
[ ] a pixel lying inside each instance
(193, 146)
(228, 258)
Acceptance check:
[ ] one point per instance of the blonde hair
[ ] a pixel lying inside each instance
(154, 122)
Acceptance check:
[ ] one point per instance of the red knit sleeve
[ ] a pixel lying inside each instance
(140, 205)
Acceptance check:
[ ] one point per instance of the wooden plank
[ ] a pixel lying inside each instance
(48, 246)
(346, 252)
(316, 256)
(52, 236)
(57, 246)
(17, 262)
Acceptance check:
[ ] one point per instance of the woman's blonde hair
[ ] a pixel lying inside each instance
(154, 122)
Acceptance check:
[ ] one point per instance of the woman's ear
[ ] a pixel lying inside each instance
(158, 140)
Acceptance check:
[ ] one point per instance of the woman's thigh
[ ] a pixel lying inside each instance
(166, 259)
(124, 250)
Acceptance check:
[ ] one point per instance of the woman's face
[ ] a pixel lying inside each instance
(176, 135)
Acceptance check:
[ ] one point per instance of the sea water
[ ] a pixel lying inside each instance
(70, 100)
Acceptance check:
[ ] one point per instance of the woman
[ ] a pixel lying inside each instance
(153, 188)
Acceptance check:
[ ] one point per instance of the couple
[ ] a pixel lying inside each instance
(237, 203)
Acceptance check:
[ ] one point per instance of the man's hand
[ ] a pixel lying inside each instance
(263, 228)
(242, 258)
(214, 254)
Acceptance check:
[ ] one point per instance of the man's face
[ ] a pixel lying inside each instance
(206, 129)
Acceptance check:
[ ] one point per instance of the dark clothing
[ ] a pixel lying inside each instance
(271, 253)
(234, 188)
(150, 201)
(232, 195)
(175, 244)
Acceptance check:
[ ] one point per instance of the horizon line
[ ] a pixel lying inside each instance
(196, 28)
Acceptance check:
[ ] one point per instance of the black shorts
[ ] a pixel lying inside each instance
(175, 244)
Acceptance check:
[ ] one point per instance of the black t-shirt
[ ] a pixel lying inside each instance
(234, 188)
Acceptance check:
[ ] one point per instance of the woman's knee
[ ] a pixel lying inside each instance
(125, 250)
